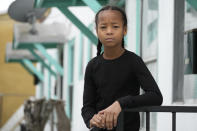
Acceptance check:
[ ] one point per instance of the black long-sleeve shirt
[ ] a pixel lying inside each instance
(119, 79)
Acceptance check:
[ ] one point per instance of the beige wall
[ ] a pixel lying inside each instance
(16, 84)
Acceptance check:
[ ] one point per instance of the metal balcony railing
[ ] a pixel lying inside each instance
(148, 109)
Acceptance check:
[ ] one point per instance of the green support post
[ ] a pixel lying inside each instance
(55, 3)
(93, 4)
(49, 58)
(42, 62)
(121, 3)
(79, 24)
(193, 3)
(38, 3)
(74, 2)
(70, 52)
(70, 60)
(62, 5)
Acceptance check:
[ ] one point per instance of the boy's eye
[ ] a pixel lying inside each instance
(115, 26)
(103, 27)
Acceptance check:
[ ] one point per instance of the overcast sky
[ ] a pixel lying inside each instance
(4, 4)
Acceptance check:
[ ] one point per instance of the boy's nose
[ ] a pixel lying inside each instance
(109, 30)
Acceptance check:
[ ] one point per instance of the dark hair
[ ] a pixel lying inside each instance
(124, 18)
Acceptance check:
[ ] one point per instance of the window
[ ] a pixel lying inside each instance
(190, 80)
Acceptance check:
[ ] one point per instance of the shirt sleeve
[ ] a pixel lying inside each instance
(89, 101)
(151, 96)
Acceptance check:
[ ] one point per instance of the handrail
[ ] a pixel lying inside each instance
(148, 109)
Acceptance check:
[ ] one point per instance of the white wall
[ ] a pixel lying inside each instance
(165, 59)
(131, 18)
(77, 122)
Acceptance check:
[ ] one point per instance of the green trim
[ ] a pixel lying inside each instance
(28, 65)
(42, 62)
(68, 102)
(74, 2)
(57, 66)
(93, 4)
(70, 70)
(138, 26)
(188, 7)
(31, 45)
(193, 3)
(121, 3)
(79, 24)
(63, 3)
(70, 60)
(38, 3)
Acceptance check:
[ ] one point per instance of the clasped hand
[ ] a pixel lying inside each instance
(107, 118)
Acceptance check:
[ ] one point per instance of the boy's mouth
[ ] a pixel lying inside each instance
(109, 39)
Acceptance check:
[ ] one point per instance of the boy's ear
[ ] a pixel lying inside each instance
(125, 30)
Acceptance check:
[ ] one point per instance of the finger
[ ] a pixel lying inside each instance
(115, 119)
(103, 120)
(111, 121)
(95, 123)
(97, 119)
(107, 123)
(101, 112)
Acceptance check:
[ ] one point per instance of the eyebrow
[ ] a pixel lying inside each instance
(111, 23)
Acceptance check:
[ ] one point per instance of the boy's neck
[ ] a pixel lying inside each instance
(112, 53)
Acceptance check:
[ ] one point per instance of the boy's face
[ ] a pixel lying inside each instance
(110, 29)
